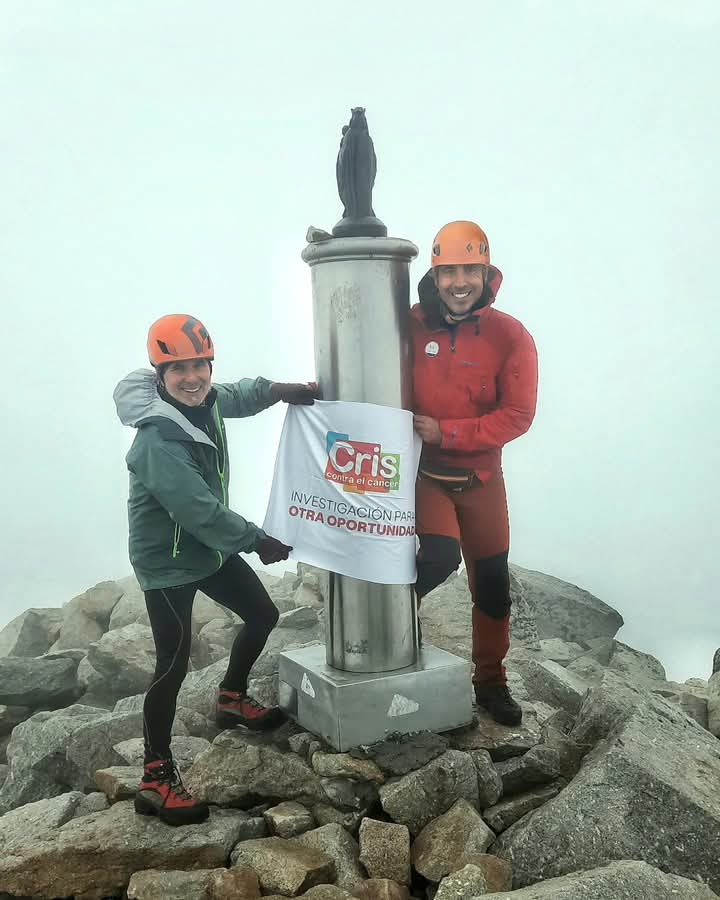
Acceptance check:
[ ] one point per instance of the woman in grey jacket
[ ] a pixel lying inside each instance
(185, 538)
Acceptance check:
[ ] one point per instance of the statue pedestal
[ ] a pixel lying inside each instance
(361, 226)
(349, 709)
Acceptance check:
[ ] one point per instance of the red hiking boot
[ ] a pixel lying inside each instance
(161, 793)
(238, 709)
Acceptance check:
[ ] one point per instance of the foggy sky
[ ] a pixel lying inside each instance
(163, 157)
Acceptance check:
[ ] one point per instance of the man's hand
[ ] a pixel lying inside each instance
(296, 394)
(270, 550)
(428, 429)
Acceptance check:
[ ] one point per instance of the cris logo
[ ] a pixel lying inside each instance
(360, 466)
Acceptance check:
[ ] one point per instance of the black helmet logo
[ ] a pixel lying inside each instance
(197, 334)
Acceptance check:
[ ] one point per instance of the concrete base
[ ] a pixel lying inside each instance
(349, 709)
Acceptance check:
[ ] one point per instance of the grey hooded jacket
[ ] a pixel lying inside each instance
(181, 529)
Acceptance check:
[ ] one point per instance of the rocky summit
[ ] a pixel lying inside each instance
(610, 789)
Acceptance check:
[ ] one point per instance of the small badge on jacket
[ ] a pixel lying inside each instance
(432, 348)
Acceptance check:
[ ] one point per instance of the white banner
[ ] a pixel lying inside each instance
(343, 493)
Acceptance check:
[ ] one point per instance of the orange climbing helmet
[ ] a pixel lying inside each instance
(460, 243)
(178, 337)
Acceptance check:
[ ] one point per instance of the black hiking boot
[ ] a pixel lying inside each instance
(497, 701)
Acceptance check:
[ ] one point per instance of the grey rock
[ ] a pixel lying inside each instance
(196, 724)
(31, 633)
(237, 769)
(693, 706)
(253, 827)
(326, 892)
(219, 634)
(489, 781)
(548, 681)
(284, 867)
(54, 751)
(326, 814)
(417, 798)
(185, 750)
(402, 754)
(447, 839)
(10, 716)
(37, 682)
(300, 743)
(385, 850)
(130, 608)
(566, 611)
(299, 618)
(312, 588)
(511, 809)
(716, 662)
(540, 765)
(569, 751)
(118, 782)
(463, 884)
(78, 630)
(381, 889)
(713, 704)
(203, 884)
(91, 746)
(4, 770)
(559, 651)
(637, 667)
(36, 821)
(587, 668)
(334, 841)
(288, 819)
(499, 741)
(626, 880)
(496, 871)
(523, 627)
(94, 857)
(630, 778)
(125, 659)
(98, 602)
(344, 765)
(347, 793)
(91, 803)
(600, 649)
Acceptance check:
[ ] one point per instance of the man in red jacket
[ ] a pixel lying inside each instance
(475, 389)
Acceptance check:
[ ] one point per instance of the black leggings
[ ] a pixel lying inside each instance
(236, 587)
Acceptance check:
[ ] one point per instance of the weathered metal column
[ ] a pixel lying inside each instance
(360, 310)
(373, 680)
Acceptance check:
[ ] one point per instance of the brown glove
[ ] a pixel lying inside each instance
(270, 550)
(296, 394)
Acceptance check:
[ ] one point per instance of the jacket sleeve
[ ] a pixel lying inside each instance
(244, 398)
(517, 399)
(172, 476)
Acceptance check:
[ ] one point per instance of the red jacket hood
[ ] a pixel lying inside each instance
(430, 308)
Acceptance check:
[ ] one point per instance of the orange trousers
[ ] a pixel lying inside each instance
(474, 522)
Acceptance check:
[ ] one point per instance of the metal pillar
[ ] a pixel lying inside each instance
(360, 314)
(371, 680)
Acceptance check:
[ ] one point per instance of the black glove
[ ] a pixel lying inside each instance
(297, 394)
(270, 550)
